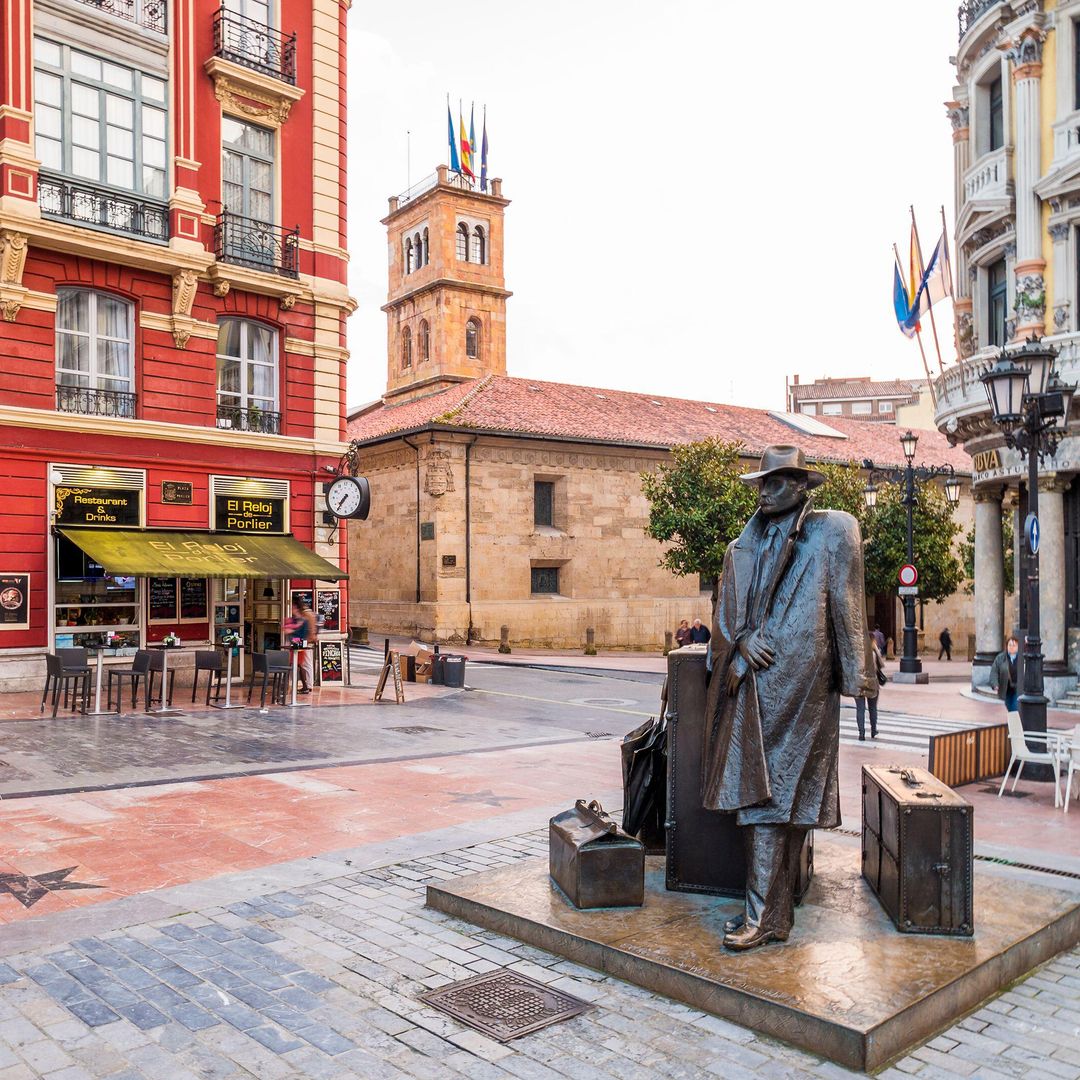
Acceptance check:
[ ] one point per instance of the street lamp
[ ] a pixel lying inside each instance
(1030, 403)
(910, 664)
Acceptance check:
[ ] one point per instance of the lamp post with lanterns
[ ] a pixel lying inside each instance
(910, 664)
(1030, 403)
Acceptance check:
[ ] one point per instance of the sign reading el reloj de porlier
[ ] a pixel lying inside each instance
(248, 514)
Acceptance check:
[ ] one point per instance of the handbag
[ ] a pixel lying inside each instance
(593, 861)
(882, 678)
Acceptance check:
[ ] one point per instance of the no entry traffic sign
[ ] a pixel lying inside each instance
(908, 575)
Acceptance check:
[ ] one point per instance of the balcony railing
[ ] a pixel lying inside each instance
(989, 177)
(255, 45)
(90, 402)
(453, 179)
(969, 12)
(152, 14)
(237, 418)
(100, 208)
(253, 243)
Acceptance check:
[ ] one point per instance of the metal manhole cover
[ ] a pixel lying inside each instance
(504, 1005)
(415, 729)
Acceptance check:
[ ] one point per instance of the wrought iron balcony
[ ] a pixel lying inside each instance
(969, 12)
(151, 14)
(255, 45)
(91, 402)
(102, 208)
(251, 419)
(256, 244)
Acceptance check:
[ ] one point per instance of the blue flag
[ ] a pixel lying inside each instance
(906, 319)
(483, 155)
(454, 163)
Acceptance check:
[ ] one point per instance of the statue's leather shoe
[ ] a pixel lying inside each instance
(750, 937)
(731, 925)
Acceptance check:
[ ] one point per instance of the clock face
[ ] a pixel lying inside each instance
(344, 497)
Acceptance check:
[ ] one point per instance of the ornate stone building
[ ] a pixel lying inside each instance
(1015, 114)
(500, 501)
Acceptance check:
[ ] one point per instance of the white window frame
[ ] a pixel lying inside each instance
(832, 408)
(243, 400)
(862, 408)
(885, 407)
(92, 374)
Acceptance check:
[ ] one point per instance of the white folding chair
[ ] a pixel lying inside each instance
(1074, 765)
(1018, 742)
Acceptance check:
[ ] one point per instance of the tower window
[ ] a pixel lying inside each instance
(479, 246)
(423, 342)
(463, 242)
(409, 257)
(424, 260)
(472, 339)
(406, 348)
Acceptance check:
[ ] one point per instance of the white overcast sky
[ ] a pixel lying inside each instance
(704, 193)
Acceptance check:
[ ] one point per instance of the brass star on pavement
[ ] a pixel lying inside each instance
(28, 889)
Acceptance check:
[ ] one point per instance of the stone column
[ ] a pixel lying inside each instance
(1026, 57)
(962, 304)
(989, 584)
(1059, 234)
(1052, 573)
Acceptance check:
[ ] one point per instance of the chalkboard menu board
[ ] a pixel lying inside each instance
(330, 661)
(163, 599)
(330, 610)
(193, 599)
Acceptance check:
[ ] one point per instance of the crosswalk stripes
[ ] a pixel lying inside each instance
(897, 731)
(365, 659)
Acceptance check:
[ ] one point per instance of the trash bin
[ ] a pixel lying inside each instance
(438, 675)
(453, 671)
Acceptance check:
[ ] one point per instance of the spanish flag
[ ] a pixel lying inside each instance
(466, 150)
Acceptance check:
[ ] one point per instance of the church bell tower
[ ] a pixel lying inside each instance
(446, 306)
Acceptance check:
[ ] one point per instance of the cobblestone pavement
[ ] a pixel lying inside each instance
(322, 980)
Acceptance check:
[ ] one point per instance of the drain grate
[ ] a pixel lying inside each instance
(504, 1005)
(599, 735)
(415, 729)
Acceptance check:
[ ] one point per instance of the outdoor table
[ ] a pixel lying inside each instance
(99, 652)
(296, 650)
(164, 707)
(228, 702)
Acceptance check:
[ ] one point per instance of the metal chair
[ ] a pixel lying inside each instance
(66, 679)
(1073, 761)
(76, 661)
(210, 661)
(157, 665)
(139, 671)
(1018, 742)
(273, 665)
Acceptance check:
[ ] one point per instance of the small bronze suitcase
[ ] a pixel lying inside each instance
(704, 847)
(917, 850)
(593, 861)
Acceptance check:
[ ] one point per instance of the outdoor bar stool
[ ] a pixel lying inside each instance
(139, 671)
(75, 661)
(271, 670)
(210, 661)
(157, 665)
(66, 679)
(279, 665)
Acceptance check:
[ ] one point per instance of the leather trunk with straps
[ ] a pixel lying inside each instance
(917, 850)
(593, 861)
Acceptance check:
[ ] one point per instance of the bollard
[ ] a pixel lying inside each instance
(590, 641)
(668, 641)
(504, 639)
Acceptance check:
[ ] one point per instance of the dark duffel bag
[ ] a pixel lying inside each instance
(593, 861)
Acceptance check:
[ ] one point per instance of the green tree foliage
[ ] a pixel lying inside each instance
(698, 505)
(842, 490)
(967, 554)
(935, 532)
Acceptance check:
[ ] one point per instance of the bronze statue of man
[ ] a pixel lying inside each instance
(789, 637)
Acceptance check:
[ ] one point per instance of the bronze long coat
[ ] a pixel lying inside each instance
(771, 749)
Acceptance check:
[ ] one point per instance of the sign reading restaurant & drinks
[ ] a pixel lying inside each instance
(97, 506)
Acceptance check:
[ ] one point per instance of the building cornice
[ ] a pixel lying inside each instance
(447, 283)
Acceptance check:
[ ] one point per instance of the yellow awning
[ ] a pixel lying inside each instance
(160, 553)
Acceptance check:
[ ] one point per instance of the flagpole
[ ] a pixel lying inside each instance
(952, 296)
(918, 334)
(933, 321)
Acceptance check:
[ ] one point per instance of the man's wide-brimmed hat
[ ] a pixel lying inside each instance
(789, 459)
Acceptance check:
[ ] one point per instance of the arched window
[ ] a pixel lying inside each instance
(406, 348)
(408, 257)
(418, 252)
(94, 336)
(479, 246)
(424, 260)
(472, 339)
(423, 342)
(463, 242)
(247, 375)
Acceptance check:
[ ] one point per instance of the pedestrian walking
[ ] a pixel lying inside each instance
(683, 636)
(303, 627)
(1003, 674)
(699, 634)
(870, 698)
(879, 640)
(945, 639)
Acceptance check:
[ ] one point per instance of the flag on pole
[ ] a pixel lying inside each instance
(483, 155)
(937, 278)
(450, 135)
(901, 304)
(466, 149)
(915, 276)
(472, 137)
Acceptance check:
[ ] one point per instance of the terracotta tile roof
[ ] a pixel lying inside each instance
(562, 410)
(851, 388)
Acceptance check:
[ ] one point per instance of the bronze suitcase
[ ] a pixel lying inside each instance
(593, 861)
(917, 851)
(704, 847)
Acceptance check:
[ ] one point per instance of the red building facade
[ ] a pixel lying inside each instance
(172, 314)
